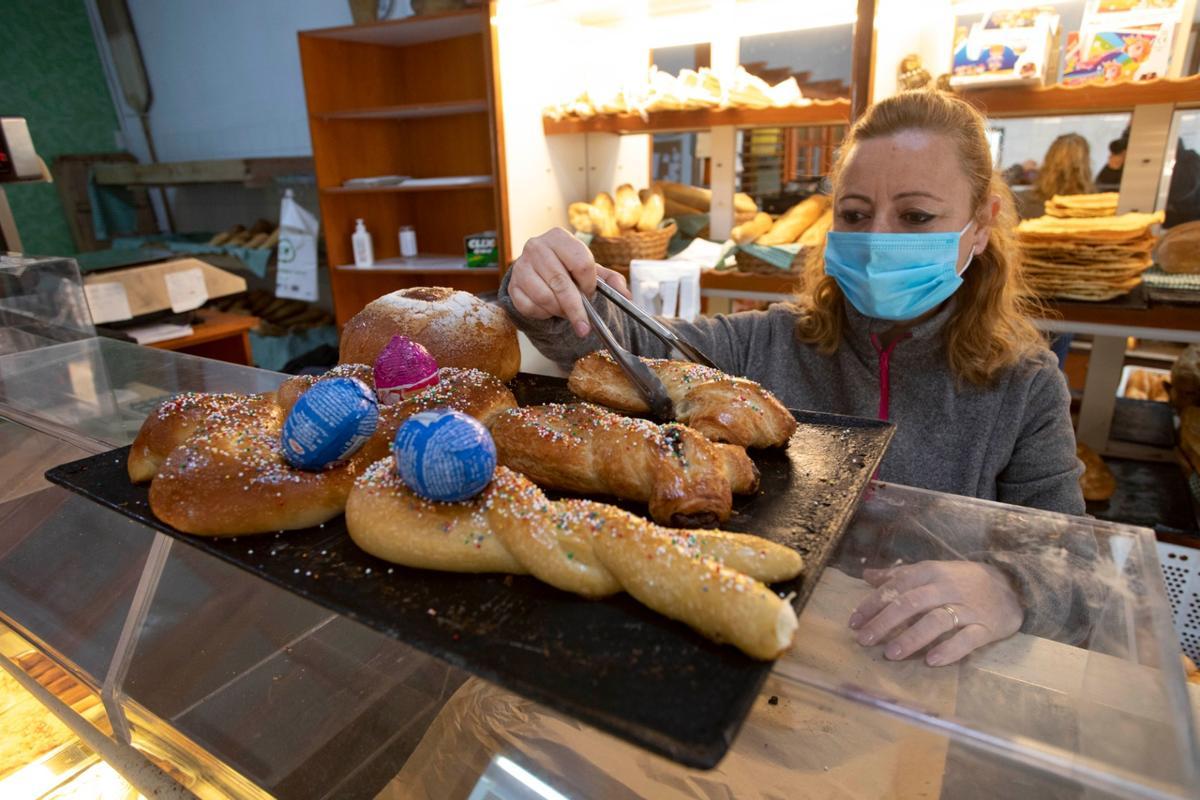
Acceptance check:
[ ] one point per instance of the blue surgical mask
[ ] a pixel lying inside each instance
(896, 276)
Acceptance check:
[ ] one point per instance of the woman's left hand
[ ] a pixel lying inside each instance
(915, 604)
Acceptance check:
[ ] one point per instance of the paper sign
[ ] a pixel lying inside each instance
(107, 302)
(186, 289)
(296, 265)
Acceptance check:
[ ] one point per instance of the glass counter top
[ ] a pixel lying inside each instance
(101, 389)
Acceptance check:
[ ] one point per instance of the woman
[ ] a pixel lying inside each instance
(1066, 169)
(912, 312)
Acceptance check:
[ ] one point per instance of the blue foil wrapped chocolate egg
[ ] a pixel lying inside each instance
(444, 455)
(329, 423)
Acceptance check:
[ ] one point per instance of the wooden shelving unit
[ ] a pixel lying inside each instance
(248, 171)
(412, 111)
(480, 183)
(1019, 101)
(819, 112)
(417, 97)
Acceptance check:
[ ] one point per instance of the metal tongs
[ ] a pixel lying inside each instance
(642, 377)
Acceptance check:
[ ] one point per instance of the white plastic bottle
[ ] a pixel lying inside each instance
(364, 251)
(408, 242)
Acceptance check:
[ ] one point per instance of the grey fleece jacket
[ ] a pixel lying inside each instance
(1010, 442)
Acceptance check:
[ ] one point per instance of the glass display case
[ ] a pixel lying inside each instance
(234, 687)
(42, 302)
(246, 690)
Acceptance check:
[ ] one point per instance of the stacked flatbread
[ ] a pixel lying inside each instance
(1082, 205)
(1087, 258)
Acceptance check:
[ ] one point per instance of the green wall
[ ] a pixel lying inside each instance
(50, 73)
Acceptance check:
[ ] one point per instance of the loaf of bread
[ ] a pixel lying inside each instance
(1185, 379)
(1178, 251)
(796, 221)
(1097, 481)
(700, 198)
(653, 211)
(604, 221)
(457, 328)
(580, 217)
(815, 235)
(628, 207)
(749, 231)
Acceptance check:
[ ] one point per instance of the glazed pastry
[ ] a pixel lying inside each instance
(586, 548)
(720, 406)
(217, 467)
(687, 480)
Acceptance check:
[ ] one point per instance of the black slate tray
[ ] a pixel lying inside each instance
(613, 663)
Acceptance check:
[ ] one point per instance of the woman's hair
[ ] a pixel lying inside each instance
(990, 327)
(1067, 167)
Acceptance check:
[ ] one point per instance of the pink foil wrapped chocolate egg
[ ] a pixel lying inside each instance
(404, 367)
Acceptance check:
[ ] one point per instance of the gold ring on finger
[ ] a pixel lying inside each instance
(953, 615)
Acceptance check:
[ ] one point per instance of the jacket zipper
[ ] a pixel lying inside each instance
(885, 373)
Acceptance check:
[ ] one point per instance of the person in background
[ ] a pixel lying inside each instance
(1108, 179)
(914, 311)
(1066, 169)
(1183, 194)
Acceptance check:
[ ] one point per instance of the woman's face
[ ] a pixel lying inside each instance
(910, 182)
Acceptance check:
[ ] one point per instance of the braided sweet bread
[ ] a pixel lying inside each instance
(217, 468)
(720, 406)
(710, 580)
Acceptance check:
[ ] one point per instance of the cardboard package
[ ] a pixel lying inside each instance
(178, 285)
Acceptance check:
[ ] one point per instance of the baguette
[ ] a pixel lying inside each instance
(816, 232)
(749, 231)
(653, 211)
(580, 217)
(701, 198)
(225, 236)
(796, 221)
(604, 202)
(628, 207)
(673, 208)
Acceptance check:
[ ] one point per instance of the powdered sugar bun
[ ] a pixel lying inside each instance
(457, 328)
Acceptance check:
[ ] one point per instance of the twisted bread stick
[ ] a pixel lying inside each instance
(586, 548)
(687, 480)
(720, 406)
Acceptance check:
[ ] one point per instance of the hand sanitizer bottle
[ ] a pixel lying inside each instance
(364, 252)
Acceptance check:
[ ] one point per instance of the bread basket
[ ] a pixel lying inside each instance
(618, 252)
(748, 262)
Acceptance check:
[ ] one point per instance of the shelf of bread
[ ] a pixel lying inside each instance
(425, 265)
(409, 111)
(816, 112)
(1016, 101)
(449, 184)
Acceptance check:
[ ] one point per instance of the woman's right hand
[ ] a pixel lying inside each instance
(548, 277)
